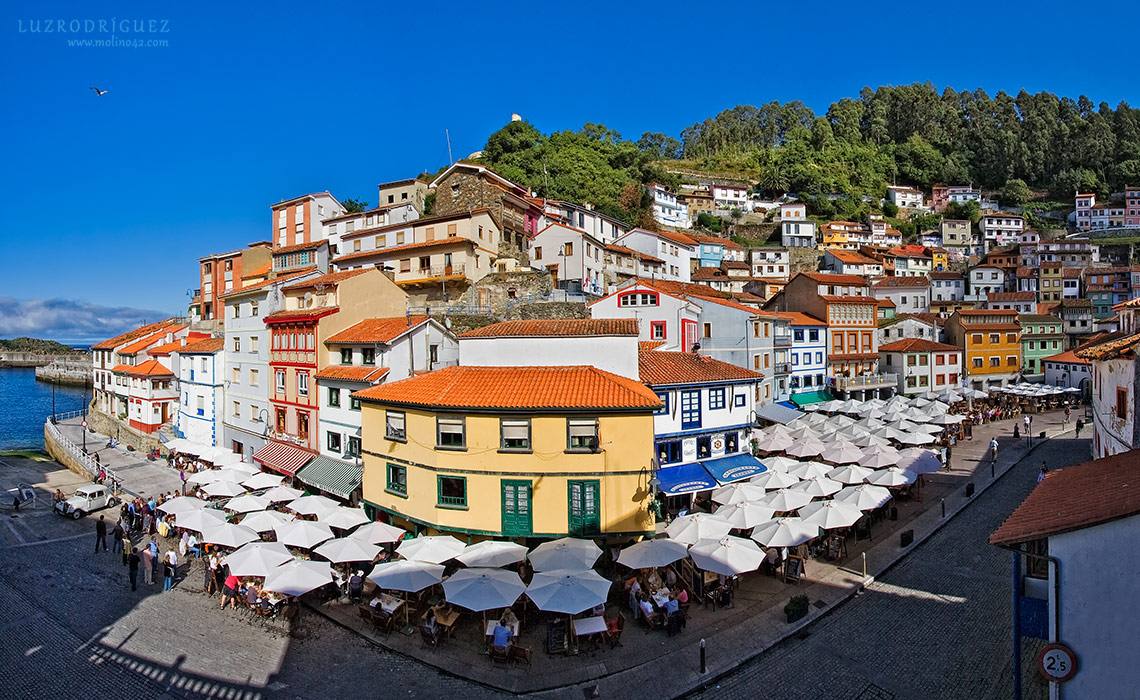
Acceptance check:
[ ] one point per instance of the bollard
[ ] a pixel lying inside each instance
(864, 565)
(703, 666)
(943, 507)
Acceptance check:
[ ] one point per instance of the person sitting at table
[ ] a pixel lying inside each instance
(501, 636)
(430, 625)
(356, 586)
(634, 596)
(510, 619)
(672, 605)
(682, 596)
(670, 577)
(251, 596)
(654, 581)
(647, 611)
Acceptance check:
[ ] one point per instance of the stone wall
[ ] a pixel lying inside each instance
(464, 190)
(554, 309)
(102, 423)
(497, 290)
(74, 373)
(802, 260)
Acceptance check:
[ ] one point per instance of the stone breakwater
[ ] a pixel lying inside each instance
(72, 370)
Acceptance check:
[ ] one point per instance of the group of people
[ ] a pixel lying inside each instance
(658, 598)
(145, 557)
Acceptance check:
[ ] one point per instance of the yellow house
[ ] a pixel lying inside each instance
(511, 451)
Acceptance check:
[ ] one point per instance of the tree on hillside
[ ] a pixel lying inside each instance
(659, 146)
(1015, 192)
(968, 211)
(354, 206)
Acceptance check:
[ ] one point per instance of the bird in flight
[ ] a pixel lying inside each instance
(98, 92)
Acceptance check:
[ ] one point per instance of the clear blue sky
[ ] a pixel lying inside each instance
(110, 200)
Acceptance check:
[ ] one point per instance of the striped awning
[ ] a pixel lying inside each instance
(332, 476)
(281, 457)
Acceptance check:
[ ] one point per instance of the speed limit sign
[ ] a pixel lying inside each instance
(1057, 663)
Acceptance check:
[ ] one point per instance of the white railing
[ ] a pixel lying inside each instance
(87, 462)
(866, 381)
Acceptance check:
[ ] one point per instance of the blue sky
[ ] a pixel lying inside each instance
(112, 199)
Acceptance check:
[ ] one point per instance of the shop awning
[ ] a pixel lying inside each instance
(685, 478)
(283, 458)
(777, 413)
(332, 476)
(733, 468)
(809, 397)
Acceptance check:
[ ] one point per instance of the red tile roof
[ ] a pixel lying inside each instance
(851, 257)
(797, 318)
(202, 347)
(886, 302)
(734, 305)
(681, 288)
(1112, 346)
(378, 330)
(301, 314)
(1068, 356)
(150, 368)
(1011, 296)
(622, 250)
(658, 368)
(353, 373)
(1074, 498)
(267, 282)
(918, 345)
(851, 299)
(329, 279)
(143, 343)
(422, 245)
(516, 388)
(556, 328)
(646, 345)
(902, 281)
(946, 275)
(312, 245)
(166, 349)
(832, 278)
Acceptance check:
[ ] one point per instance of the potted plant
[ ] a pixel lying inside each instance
(796, 608)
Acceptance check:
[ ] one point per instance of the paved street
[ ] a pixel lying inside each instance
(935, 626)
(136, 473)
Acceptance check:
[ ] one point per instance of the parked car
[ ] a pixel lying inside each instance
(87, 499)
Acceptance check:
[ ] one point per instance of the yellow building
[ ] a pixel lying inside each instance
(511, 451)
(991, 339)
(939, 258)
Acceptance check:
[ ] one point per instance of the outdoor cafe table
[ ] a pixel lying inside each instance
(446, 618)
(390, 603)
(661, 597)
(492, 624)
(589, 627)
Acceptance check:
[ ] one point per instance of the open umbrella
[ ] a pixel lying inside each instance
(727, 556)
(841, 453)
(879, 456)
(688, 529)
(302, 533)
(564, 553)
(830, 515)
(262, 480)
(870, 440)
(738, 493)
(849, 474)
(227, 535)
(785, 532)
(247, 504)
(779, 463)
(181, 504)
(231, 473)
(480, 589)
(378, 533)
(343, 518)
(915, 438)
(347, 549)
(206, 476)
(864, 496)
(434, 549)
(744, 515)
(199, 520)
(818, 487)
(650, 554)
(810, 470)
(312, 505)
(919, 460)
(803, 432)
(265, 520)
(786, 500)
(774, 480)
(806, 447)
(568, 592)
(257, 558)
(298, 577)
(405, 575)
(227, 489)
(891, 477)
(774, 442)
(491, 553)
(947, 419)
(280, 494)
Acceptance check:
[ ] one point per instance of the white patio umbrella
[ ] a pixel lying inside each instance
(774, 442)
(841, 453)
(813, 420)
(226, 458)
(878, 457)
(227, 535)
(738, 493)
(298, 577)
(871, 422)
(728, 556)
(280, 494)
(568, 592)
(810, 470)
(919, 460)
(213, 454)
(831, 406)
(786, 500)
(806, 447)
(849, 474)
(947, 419)
(650, 554)
(850, 406)
(779, 463)
(312, 505)
(227, 489)
(347, 549)
(257, 558)
(830, 514)
(689, 529)
(785, 532)
(817, 488)
(771, 481)
(931, 428)
(181, 504)
(302, 533)
(891, 477)
(916, 438)
(491, 553)
(264, 520)
(803, 432)
(343, 518)
(481, 589)
(870, 440)
(378, 533)
(198, 520)
(406, 575)
(262, 480)
(864, 496)
(206, 476)
(247, 504)
(434, 549)
(564, 553)
(744, 515)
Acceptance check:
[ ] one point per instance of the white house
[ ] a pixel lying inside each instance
(806, 353)
(1000, 229)
(201, 378)
(662, 316)
(910, 326)
(985, 279)
(922, 365)
(667, 211)
(361, 223)
(730, 196)
(610, 344)
(770, 263)
(1067, 371)
(904, 197)
(573, 257)
(584, 217)
(909, 294)
(1116, 378)
(947, 286)
(851, 262)
(1069, 535)
(796, 231)
(675, 250)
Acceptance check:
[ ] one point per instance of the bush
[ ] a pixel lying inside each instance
(890, 209)
(796, 608)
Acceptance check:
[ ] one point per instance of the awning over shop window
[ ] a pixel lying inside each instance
(777, 413)
(283, 458)
(684, 478)
(733, 468)
(332, 476)
(809, 397)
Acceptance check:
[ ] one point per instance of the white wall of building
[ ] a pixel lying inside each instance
(659, 321)
(1113, 435)
(616, 354)
(677, 257)
(200, 407)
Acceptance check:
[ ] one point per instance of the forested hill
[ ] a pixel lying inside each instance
(36, 345)
(909, 134)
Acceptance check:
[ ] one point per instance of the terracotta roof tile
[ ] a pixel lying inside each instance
(849, 299)
(1073, 498)
(1011, 296)
(797, 318)
(151, 339)
(833, 278)
(423, 245)
(204, 346)
(622, 250)
(902, 281)
(353, 373)
(680, 288)
(946, 275)
(329, 279)
(918, 345)
(1068, 356)
(658, 368)
(150, 368)
(166, 349)
(516, 388)
(729, 303)
(313, 245)
(886, 302)
(378, 330)
(647, 345)
(1112, 346)
(267, 282)
(556, 328)
(851, 257)
(300, 314)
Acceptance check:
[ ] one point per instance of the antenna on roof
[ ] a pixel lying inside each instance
(447, 135)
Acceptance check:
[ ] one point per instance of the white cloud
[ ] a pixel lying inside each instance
(69, 319)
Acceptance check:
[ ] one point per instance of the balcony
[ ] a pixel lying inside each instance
(782, 340)
(866, 381)
(780, 368)
(431, 275)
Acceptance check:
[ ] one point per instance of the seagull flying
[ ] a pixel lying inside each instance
(98, 92)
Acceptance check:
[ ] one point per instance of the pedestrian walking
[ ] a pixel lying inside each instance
(100, 534)
(993, 450)
(133, 568)
(1080, 424)
(168, 568)
(147, 563)
(211, 574)
(126, 546)
(182, 478)
(154, 558)
(1068, 412)
(1028, 422)
(117, 538)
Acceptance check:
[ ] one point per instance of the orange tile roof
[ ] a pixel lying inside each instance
(143, 343)
(378, 330)
(1074, 498)
(902, 281)
(658, 368)
(886, 302)
(851, 257)
(571, 388)
(852, 299)
(676, 237)
(833, 278)
(166, 349)
(729, 303)
(1112, 346)
(423, 245)
(622, 250)
(301, 314)
(353, 373)
(329, 279)
(647, 345)
(312, 245)
(150, 368)
(556, 328)
(797, 318)
(918, 345)
(681, 288)
(202, 347)
(272, 280)
(1068, 356)
(1011, 296)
